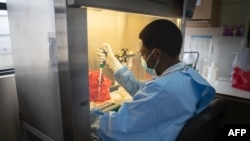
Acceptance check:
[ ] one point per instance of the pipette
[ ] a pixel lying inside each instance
(101, 66)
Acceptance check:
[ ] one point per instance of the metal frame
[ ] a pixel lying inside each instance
(72, 56)
(28, 128)
(163, 8)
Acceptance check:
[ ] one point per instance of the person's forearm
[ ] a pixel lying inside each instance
(128, 81)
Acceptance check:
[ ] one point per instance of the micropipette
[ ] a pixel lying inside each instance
(101, 66)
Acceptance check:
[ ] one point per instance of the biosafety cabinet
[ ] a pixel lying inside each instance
(54, 45)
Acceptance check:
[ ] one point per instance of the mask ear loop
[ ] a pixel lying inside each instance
(149, 55)
(156, 63)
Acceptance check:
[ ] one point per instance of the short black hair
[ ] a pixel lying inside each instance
(162, 34)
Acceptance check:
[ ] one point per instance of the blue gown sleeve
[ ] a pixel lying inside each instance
(95, 115)
(128, 81)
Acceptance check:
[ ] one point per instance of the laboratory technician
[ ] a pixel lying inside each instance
(161, 106)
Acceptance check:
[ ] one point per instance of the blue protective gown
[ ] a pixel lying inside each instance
(159, 109)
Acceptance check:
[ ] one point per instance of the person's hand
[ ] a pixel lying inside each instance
(105, 53)
(101, 55)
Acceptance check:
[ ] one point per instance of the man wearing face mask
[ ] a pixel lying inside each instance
(161, 106)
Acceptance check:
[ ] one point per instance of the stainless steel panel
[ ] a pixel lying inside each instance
(166, 8)
(71, 26)
(10, 129)
(78, 64)
(51, 77)
(72, 55)
(63, 68)
(37, 80)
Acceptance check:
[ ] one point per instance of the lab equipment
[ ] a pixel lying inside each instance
(205, 69)
(113, 107)
(212, 73)
(104, 105)
(109, 57)
(244, 57)
(101, 66)
(234, 64)
(125, 57)
(100, 79)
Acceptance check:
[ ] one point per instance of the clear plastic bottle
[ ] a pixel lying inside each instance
(205, 69)
(212, 73)
(234, 64)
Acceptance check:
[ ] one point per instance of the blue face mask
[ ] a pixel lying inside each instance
(145, 67)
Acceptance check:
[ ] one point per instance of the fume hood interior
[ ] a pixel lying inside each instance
(121, 30)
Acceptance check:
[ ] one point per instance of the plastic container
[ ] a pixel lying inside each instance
(212, 73)
(205, 68)
(241, 74)
(234, 64)
(244, 57)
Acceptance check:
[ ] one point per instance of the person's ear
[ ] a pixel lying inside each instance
(158, 54)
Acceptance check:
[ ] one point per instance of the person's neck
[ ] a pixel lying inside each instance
(165, 63)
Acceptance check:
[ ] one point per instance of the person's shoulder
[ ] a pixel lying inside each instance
(174, 79)
(179, 75)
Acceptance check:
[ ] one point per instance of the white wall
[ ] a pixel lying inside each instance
(220, 47)
(210, 40)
